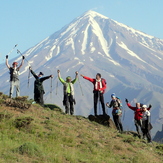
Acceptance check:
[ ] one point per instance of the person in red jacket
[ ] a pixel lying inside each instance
(99, 88)
(137, 116)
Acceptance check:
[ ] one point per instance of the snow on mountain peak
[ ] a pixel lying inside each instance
(133, 30)
(94, 14)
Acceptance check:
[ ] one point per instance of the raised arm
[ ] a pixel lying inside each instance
(59, 77)
(76, 77)
(131, 107)
(87, 78)
(45, 78)
(21, 62)
(59, 74)
(33, 73)
(149, 107)
(7, 62)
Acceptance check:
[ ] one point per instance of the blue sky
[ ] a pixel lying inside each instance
(27, 22)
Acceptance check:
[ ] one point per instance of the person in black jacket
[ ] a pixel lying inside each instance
(38, 86)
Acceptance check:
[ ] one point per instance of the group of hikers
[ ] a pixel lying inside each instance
(141, 111)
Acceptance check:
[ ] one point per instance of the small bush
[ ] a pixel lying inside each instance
(53, 107)
(18, 102)
(21, 98)
(1, 101)
(129, 140)
(159, 149)
(29, 148)
(4, 115)
(22, 122)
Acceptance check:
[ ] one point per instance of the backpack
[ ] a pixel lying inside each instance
(118, 106)
(102, 79)
(120, 102)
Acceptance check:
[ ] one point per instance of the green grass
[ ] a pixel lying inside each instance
(53, 137)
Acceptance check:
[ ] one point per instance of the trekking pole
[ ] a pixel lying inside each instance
(80, 87)
(18, 51)
(28, 77)
(124, 113)
(57, 87)
(12, 49)
(51, 87)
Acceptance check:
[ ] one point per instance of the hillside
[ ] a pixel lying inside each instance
(32, 134)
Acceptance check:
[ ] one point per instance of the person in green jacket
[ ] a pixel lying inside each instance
(68, 89)
(38, 86)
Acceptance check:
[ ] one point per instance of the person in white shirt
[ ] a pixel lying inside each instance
(146, 127)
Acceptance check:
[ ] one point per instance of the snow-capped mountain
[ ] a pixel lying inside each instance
(130, 61)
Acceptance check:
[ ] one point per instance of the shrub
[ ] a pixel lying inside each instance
(4, 115)
(29, 148)
(22, 122)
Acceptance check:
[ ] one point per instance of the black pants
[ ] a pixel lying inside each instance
(68, 102)
(138, 124)
(98, 96)
(38, 97)
(117, 121)
(146, 131)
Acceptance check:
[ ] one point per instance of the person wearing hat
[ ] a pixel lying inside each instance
(68, 89)
(116, 112)
(137, 116)
(38, 86)
(99, 89)
(14, 76)
(146, 126)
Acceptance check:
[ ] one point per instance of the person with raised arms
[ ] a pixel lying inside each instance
(68, 89)
(38, 86)
(137, 116)
(14, 76)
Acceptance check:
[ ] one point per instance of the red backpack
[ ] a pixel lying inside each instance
(102, 79)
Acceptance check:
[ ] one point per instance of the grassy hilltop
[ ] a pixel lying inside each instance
(32, 134)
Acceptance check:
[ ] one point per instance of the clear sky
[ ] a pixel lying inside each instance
(27, 22)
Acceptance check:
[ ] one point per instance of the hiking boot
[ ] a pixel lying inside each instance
(150, 143)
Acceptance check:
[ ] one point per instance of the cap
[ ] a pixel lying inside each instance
(41, 73)
(68, 77)
(113, 95)
(144, 106)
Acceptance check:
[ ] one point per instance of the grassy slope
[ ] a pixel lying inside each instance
(53, 137)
